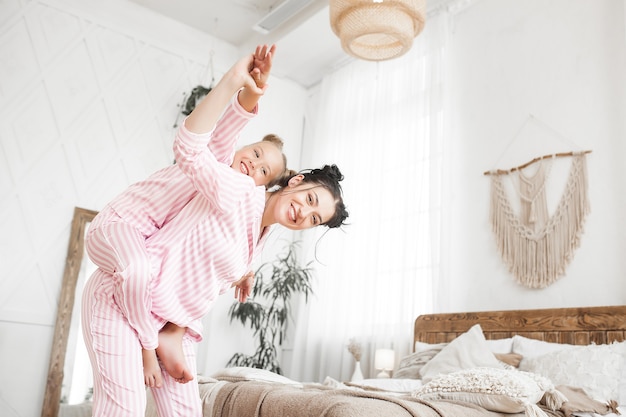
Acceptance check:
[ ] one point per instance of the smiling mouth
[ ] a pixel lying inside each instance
(244, 168)
(292, 213)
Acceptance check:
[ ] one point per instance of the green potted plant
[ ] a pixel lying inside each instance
(268, 311)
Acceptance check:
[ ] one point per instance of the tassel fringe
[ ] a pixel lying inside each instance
(533, 410)
(538, 258)
(554, 399)
(612, 406)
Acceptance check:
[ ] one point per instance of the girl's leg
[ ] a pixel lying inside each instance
(114, 352)
(174, 399)
(115, 245)
(119, 249)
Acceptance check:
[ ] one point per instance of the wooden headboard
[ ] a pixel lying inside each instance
(577, 326)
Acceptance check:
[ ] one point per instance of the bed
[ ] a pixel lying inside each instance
(582, 349)
(572, 361)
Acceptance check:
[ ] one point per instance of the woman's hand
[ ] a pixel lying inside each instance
(262, 65)
(257, 72)
(245, 74)
(243, 287)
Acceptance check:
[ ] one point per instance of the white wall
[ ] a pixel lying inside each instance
(88, 95)
(528, 78)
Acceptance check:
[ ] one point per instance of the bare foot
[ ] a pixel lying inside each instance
(170, 352)
(151, 370)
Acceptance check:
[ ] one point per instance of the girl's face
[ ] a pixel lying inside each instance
(302, 205)
(262, 161)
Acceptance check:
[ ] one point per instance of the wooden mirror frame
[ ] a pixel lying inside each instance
(75, 250)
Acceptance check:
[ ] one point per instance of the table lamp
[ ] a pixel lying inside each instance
(384, 359)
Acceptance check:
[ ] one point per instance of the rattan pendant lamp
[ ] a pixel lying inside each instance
(376, 30)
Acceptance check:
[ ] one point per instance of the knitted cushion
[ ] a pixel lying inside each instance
(501, 390)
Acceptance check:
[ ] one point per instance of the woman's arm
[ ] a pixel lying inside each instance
(193, 156)
(227, 131)
(243, 108)
(206, 114)
(261, 68)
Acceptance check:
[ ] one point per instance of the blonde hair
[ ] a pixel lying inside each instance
(287, 173)
(275, 139)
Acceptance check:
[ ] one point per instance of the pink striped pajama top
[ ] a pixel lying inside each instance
(151, 204)
(211, 243)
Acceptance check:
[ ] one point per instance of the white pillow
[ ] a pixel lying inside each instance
(530, 348)
(469, 350)
(244, 373)
(595, 368)
(393, 385)
(495, 345)
(505, 391)
(411, 365)
(500, 345)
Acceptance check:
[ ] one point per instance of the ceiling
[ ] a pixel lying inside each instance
(307, 47)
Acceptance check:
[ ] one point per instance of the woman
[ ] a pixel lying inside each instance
(200, 253)
(117, 237)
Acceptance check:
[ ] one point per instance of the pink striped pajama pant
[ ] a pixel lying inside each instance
(113, 345)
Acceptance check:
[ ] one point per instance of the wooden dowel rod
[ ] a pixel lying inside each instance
(553, 155)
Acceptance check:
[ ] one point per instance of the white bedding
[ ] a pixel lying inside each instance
(596, 368)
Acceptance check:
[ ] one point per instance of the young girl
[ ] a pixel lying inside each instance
(147, 206)
(195, 256)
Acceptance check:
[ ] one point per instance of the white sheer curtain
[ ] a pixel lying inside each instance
(383, 125)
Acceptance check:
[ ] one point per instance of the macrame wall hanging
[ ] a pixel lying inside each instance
(538, 246)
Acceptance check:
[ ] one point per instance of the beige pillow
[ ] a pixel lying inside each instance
(411, 365)
(579, 403)
(469, 350)
(511, 359)
(500, 390)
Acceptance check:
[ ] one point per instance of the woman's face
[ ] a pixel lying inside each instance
(303, 206)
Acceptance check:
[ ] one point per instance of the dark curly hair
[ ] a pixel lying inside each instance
(328, 177)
